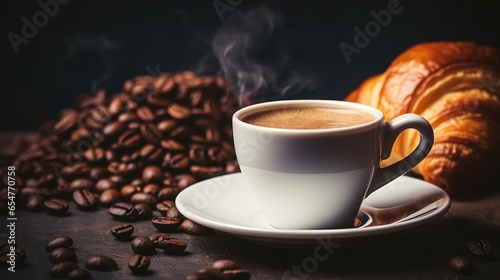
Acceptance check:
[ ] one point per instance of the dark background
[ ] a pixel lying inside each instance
(99, 44)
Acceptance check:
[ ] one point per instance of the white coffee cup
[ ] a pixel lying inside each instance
(318, 178)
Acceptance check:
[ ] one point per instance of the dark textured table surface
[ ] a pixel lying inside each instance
(419, 253)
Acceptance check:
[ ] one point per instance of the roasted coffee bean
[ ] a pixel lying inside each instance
(165, 126)
(181, 133)
(152, 189)
(81, 183)
(198, 154)
(144, 198)
(143, 211)
(138, 264)
(166, 224)
(112, 130)
(56, 206)
(163, 206)
(129, 139)
(151, 174)
(150, 132)
(98, 173)
(109, 197)
(145, 114)
(193, 228)
(104, 184)
(62, 269)
(122, 211)
(172, 246)
(34, 203)
(172, 145)
(128, 190)
(179, 112)
(95, 154)
(237, 274)
(85, 199)
(127, 117)
(101, 263)
(117, 180)
(206, 274)
(480, 247)
(62, 255)
(79, 274)
(168, 193)
(224, 264)
(143, 245)
(122, 232)
(179, 162)
(204, 172)
(461, 265)
(157, 237)
(174, 213)
(184, 180)
(59, 242)
(66, 122)
(6, 256)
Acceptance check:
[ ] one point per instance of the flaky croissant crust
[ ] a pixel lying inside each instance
(456, 87)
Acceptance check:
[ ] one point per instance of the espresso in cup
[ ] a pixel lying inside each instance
(310, 163)
(309, 118)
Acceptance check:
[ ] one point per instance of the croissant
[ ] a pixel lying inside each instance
(456, 87)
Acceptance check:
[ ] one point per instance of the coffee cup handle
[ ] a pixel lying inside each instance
(390, 131)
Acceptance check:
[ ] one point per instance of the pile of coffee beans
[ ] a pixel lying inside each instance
(140, 147)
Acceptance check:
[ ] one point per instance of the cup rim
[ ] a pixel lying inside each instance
(257, 107)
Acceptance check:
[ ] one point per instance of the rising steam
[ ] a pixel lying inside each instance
(251, 61)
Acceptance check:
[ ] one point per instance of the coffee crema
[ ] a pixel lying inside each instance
(309, 118)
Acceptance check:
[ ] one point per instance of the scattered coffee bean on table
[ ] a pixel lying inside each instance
(122, 211)
(157, 237)
(480, 247)
(143, 245)
(143, 211)
(221, 269)
(139, 264)
(56, 206)
(222, 265)
(61, 255)
(85, 199)
(166, 224)
(62, 269)
(79, 274)
(122, 232)
(101, 263)
(59, 242)
(172, 246)
(461, 264)
(193, 228)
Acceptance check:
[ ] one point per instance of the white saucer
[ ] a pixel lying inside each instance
(226, 204)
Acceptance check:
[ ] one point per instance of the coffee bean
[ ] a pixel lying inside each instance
(152, 189)
(101, 263)
(143, 211)
(122, 211)
(61, 255)
(145, 114)
(59, 242)
(19, 256)
(178, 112)
(174, 213)
(129, 139)
(180, 133)
(85, 199)
(480, 247)
(204, 172)
(109, 197)
(184, 180)
(151, 174)
(138, 264)
(157, 237)
(172, 246)
(163, 206)
(113, 129)
(94, 155)
(34, 203)
(206, 274)
(144, 198)
(98, 173)
(179, 162)
(104, 184)
(150, 132)
(168, 193)
(122, 232)
(461, 265)
(237, 274)
(56, 206)
(166, 224)
(172, 145)
(66, 122)
(79, 274)
(224, 264)
(127, 117)
(62, 269)
(143, 245)
(193, 228)
(166, 126)
(128, 190)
